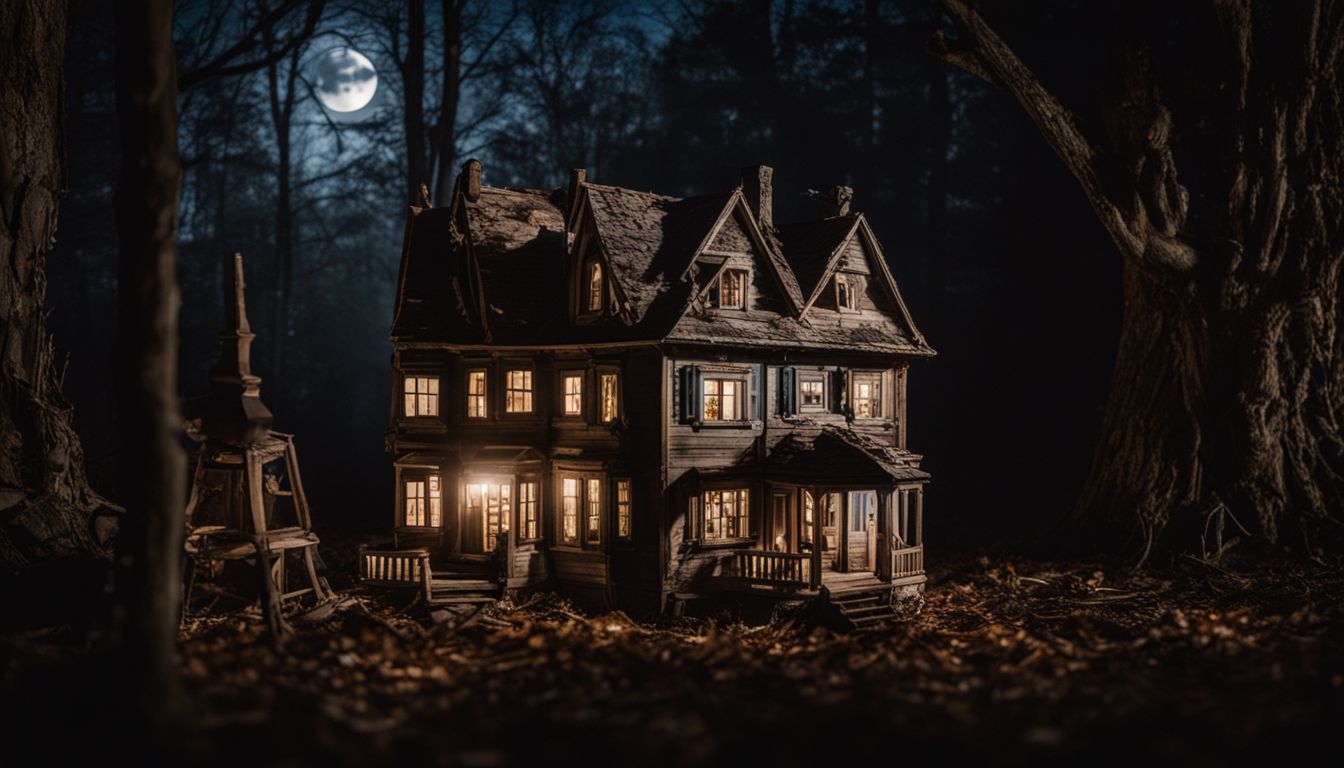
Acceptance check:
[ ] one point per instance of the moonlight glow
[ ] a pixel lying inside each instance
(346, 80)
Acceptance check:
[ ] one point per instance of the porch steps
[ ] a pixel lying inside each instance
(458, 587)
(866, 607)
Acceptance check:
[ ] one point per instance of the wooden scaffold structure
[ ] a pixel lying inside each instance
(247, 501)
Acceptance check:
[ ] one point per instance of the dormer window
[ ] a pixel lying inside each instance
(593, 303)
(729, 290)
(847, 290)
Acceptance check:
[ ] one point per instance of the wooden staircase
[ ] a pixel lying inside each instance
(863, 600)
(463, 583)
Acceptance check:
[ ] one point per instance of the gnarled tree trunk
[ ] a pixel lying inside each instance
(48, 514)
(1228, 390)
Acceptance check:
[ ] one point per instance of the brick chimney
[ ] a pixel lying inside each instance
(756, 188)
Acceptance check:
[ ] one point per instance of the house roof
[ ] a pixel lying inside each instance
(508, 286)
(842, 456)
(518, 241)
(649, 239)
(809, 245)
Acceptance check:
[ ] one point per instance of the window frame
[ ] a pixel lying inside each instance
(854, 285)
(593, 268)
(520, 523)
(427, 477)
(716, 290)
(483, 395)
(584, 500)
(617, 483)
(812, 377)
(432, 382)
(531, 391)
(689, 406)
(881, 377)
(602, 375)
(561, 407)
(701, 503)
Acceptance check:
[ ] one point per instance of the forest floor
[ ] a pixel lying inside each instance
(1011, 660)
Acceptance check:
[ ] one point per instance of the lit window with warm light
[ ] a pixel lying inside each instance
(572, 389)
(518, 391)
(607, 395)
(420, 395)
(476, 394)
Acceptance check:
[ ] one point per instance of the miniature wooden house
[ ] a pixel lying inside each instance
(632, 398)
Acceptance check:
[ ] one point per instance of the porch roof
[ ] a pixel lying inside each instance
(835, 456)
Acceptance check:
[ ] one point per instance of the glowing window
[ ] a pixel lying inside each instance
(518, 392)
(420, 395)
(623, 509)
(527, 510)
(569, 510)
(423, 502)
(867, 395)
(727, 514)
(594, 287)
(572, 387)
(476, 394)
(593, 530)
(722, 400)
(607, 392)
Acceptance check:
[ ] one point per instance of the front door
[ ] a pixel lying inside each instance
(861, 522)
(485, 514)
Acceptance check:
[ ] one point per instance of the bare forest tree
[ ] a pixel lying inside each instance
(153, 463)
(1218, 181)
(50, 515)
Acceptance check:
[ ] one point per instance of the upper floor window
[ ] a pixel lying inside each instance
(847, 291)
(722, 400)
(593, 300)
(518, 391)
(571, 387)
(421, 395)
(721, 395)
(730, 290)
(812, 391)
(608, 397)
(866, 395)
(476, 394)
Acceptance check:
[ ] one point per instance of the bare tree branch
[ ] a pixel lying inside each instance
(982, 49)
(229, 61)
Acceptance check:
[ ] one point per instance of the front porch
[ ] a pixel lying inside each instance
(791, 573)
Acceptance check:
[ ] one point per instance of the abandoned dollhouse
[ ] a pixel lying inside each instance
(636, 399)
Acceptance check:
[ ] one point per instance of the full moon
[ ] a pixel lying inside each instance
(346, 80)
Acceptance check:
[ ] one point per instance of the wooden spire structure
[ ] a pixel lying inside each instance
(247, 501)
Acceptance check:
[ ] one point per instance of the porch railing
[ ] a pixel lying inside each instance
(393, 567)
(781, 568)
(908, 561)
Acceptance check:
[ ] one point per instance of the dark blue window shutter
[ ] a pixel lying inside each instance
(689, 385)
(755, 398)
(788, 391)
(840, 390)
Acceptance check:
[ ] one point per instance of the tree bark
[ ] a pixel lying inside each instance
(282, 99)
(413, 113)
(1224, 414)
(48, 513)
(149, 577)
(445, 131)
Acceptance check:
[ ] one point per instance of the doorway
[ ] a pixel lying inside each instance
(485, 514)
(861, 525)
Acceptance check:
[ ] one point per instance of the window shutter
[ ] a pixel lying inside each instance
(839, 390)
(788, 391)
(754, 397)
(689, 384)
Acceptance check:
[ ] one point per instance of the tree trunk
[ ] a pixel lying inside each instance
(445, 132)
(282, 100)
(149, 577)
(413, 113)
(48, 514)
(1224, 415)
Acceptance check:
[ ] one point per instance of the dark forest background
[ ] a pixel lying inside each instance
(1003, 264)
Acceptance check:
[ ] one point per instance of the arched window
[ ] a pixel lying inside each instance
(594, 287)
